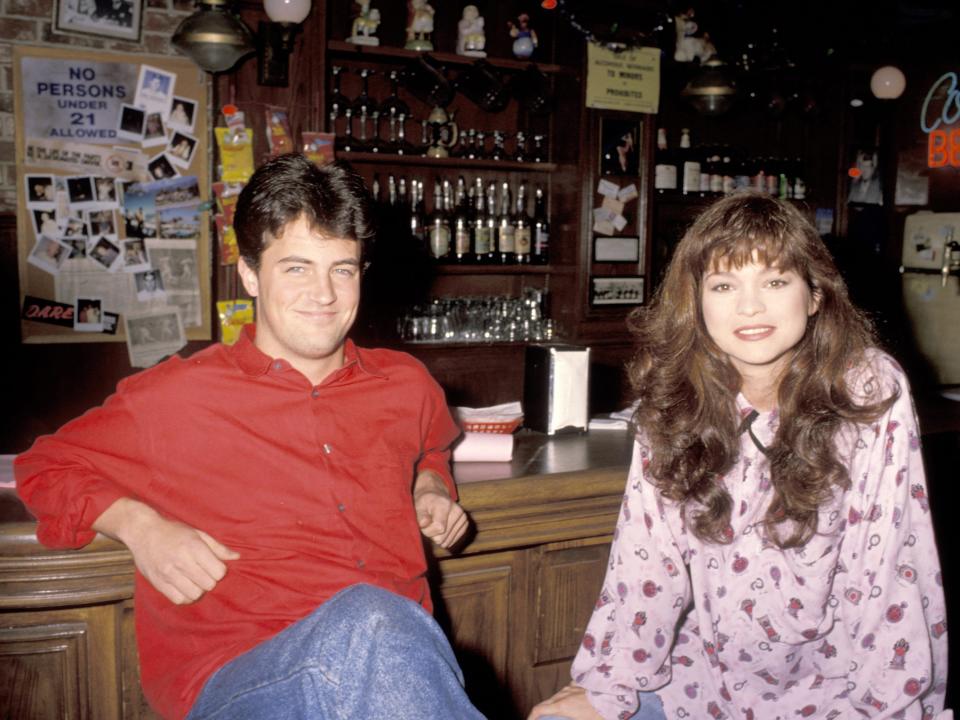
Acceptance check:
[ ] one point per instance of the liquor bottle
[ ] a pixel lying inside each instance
(439, 226)
(799, 184)
(418, 220)
(523, 237)
(491, 222)
(392, 190)
(716, 174)
(665, 170)
(541, 229)
(375, 189)
(689, 164)
(706, 170)
(462, 235)
(506, 228)
(729, 175)
(481, 233)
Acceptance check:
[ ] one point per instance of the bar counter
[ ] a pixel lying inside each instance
(514, 599)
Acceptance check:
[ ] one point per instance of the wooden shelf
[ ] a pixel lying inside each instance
(381, 53)
(444, 269)
(447, 162)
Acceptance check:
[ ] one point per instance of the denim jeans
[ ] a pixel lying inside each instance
(650, 709)
(365, 653)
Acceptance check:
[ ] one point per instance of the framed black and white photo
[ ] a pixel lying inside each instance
(617, 249)
(107, 18)
(616, 290)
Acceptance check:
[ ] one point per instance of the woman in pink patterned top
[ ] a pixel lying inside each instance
(774, 555)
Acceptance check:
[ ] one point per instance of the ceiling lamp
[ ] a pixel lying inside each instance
(888, 83)
(213, 37)
(276, 39)
(712, 90)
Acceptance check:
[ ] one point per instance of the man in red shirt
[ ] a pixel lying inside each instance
(273, 492)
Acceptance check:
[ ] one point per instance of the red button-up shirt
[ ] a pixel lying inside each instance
(312, 485)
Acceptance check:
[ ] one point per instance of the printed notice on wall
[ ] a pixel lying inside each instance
(628, 80)
(76, 100)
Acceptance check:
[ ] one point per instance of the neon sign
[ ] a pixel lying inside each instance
(943, 144)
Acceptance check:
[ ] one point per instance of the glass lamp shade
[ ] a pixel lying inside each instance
(712, 91)
(287, 11)
(888, 83)
(213, 37)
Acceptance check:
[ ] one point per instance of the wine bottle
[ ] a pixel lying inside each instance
(665, 170)
(690, 183)
(491, 223)
(462, 236)
(523, 237)
(439, 226)
(541, 229)
(506, 228)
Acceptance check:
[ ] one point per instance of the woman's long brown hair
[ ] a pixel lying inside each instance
(687, 387)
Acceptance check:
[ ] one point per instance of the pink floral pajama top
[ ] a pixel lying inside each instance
(852, 625)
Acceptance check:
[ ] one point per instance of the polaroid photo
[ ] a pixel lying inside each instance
(130, 125)
(134, 255)
(161, 168)
(154, 131)
(74, 226)
(110, 322)
(80, 192)
(155, 90)
(78, 247)
(41, 191)
(183, 114)
(181, 148)
(105, 252)
(89, 315)
(49, 254)
(150, 286)
(105, 189)
(102, 222)
(45, 223)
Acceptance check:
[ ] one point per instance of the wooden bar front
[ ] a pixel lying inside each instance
(514, 600)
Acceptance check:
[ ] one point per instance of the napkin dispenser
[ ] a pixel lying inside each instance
(556, 383)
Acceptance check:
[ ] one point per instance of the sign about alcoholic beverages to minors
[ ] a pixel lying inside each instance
(78, 100)
(939, 118)
(628, 80)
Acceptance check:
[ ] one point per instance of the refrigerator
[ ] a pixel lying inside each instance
(932, 298)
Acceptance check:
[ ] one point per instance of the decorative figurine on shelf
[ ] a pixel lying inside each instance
(365, 25)
(420, 14)
(441, 132)
(689, 47)
(470, 38)
(525, 37)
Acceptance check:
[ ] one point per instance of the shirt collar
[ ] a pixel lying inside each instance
(251, 360)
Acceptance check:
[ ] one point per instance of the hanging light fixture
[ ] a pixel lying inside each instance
(712, 90)
(213, 37)
(888, 82)
(276, 39)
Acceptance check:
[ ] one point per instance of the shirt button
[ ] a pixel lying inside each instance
(278, 365)
(327, 449)
(341, 507)
(360, 563)
(315, 393)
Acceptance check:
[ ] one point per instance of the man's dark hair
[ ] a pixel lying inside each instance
(332, 198)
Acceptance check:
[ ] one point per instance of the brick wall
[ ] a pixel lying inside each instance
(30, 22)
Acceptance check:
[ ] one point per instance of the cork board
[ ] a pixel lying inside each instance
(112, 179)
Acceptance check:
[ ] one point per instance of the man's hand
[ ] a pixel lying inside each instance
(440, 518)
(181, 562)
(570, 702)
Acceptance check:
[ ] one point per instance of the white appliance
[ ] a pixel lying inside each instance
(932, 297)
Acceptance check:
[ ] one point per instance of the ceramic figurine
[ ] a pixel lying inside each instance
(365, 25)
(524, 37)
(421, 25)
(470, 37)
(689, 47)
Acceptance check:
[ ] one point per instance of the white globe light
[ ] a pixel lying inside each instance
(888, 83)
(287, 11)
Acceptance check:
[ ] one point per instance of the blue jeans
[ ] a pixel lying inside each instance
(650, 709)
(365, 653)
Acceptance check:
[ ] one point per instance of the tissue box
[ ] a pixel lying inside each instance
(556, 386)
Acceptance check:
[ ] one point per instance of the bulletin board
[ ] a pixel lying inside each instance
(112, 175)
